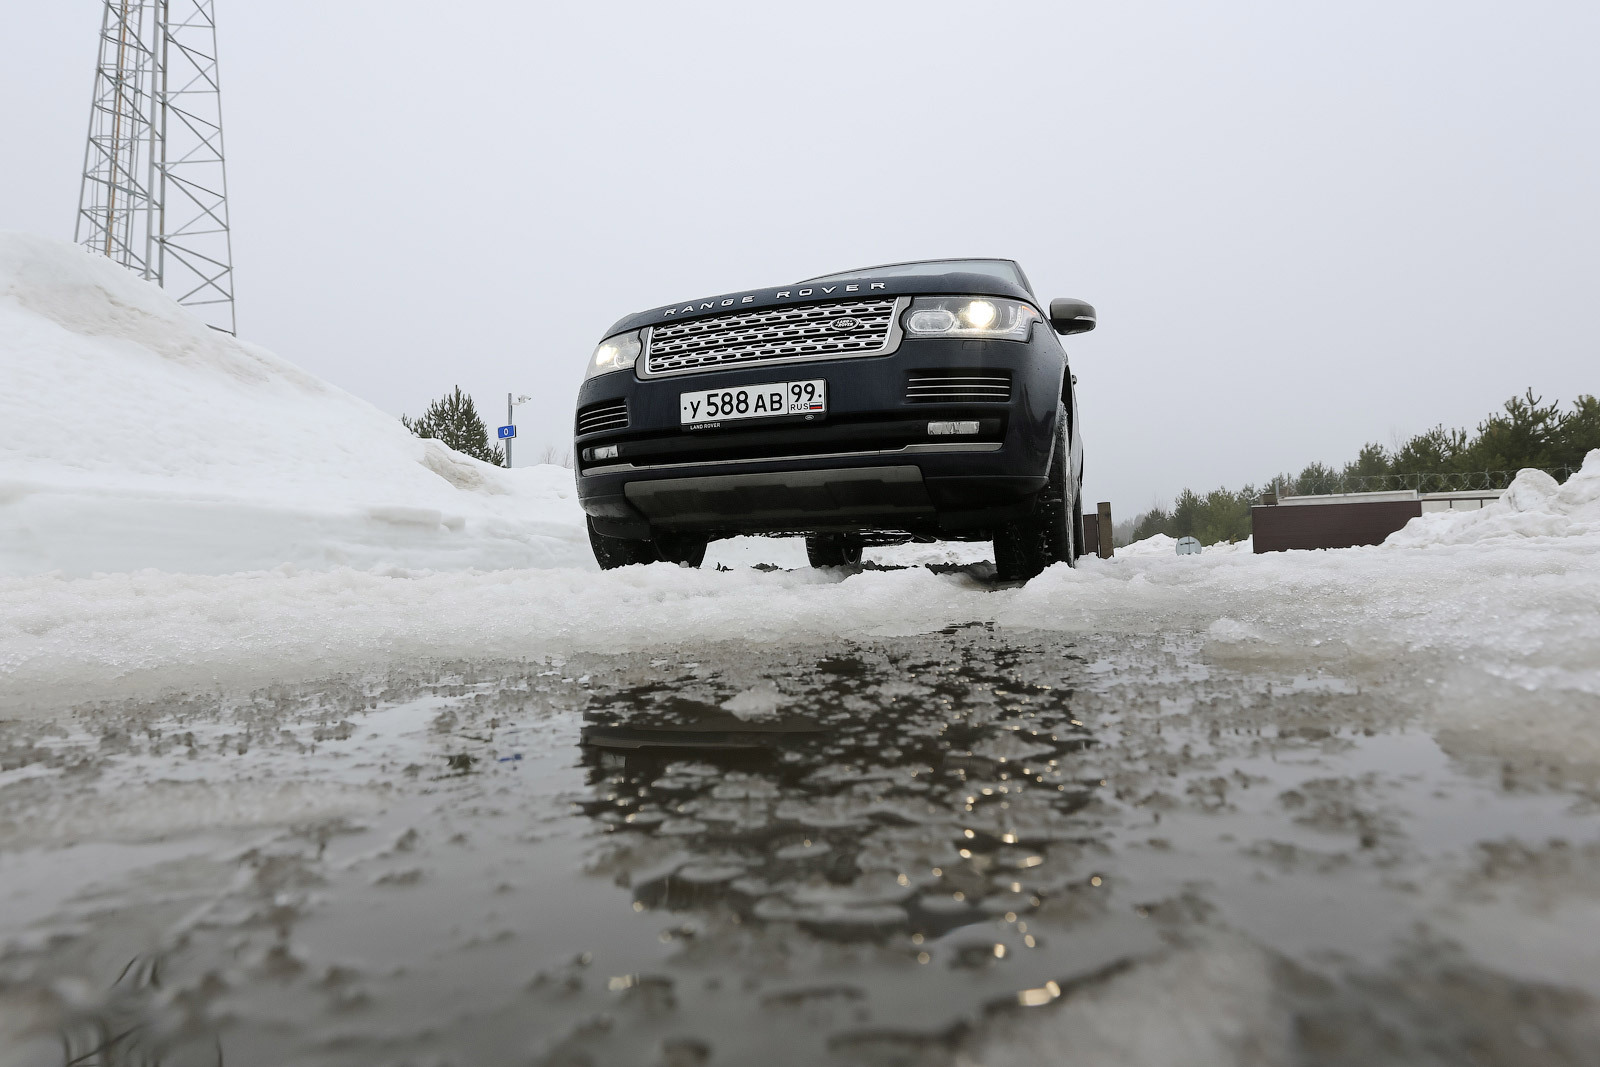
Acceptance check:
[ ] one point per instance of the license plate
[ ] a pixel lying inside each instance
(711, 406)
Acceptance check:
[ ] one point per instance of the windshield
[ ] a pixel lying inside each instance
(1004, 269)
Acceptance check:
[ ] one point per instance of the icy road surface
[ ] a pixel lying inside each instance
(978, 846)
(1309, 808)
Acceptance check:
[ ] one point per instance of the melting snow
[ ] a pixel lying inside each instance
(133, 436)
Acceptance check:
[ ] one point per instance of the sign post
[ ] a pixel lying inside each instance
(510, 431)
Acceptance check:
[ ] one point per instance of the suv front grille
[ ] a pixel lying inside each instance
(773, 335)
(606, 415)
(958, 387)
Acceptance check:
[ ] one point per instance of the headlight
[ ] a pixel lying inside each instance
(614, 353)
(970, 316)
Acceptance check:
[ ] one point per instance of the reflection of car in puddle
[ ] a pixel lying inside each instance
(906, 797)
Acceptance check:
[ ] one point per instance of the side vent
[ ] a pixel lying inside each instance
(606, 415)
(958, 387)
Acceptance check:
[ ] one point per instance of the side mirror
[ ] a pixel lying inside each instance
(1071, 316)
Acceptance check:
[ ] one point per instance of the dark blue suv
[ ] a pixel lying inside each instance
(914, 401)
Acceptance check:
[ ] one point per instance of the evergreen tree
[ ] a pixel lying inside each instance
(1438, 451)
(1371, 461)
(453, 421)
(1522, 437)
(1220, 515)
(1315, 479)
(1578, 434)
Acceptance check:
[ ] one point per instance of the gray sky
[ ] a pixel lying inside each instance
(1304, 229)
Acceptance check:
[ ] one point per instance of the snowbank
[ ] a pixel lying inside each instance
(1162, 545)
(132, 436)
(1154, 545)
(1534, 507)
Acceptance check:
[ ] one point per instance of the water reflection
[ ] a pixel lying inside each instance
(118, 1031)
(865, 800)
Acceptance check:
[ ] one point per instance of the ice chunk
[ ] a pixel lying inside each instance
(762, 701)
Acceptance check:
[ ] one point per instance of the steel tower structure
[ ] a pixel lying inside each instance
(155, 191)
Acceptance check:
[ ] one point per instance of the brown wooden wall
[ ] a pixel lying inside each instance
(1280, 527)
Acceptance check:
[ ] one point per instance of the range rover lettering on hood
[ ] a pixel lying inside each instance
(781, 294)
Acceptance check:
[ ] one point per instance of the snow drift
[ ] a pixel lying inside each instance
(1534, 506)
(132, 436)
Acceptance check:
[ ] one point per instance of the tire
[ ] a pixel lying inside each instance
(614, 552)
(1026, 546)
(684, 551)
(833, 550)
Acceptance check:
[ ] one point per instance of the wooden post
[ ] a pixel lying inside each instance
(1091, 535)
(1105, 529)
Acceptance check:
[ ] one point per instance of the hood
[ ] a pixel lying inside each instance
(819, 292)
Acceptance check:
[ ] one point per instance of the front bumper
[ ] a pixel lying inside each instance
(869, 464)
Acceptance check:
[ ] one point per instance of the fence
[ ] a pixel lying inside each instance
(1454, 482)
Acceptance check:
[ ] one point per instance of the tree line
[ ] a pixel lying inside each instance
(1526, 432)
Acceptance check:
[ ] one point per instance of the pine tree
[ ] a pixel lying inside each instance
(1521, 437)
(1579, 432)
(453, 421)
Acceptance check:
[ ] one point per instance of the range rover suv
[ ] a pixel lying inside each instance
(913, 401)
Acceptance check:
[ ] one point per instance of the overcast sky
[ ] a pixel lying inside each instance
(1304, 229)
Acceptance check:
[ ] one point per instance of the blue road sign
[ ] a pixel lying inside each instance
(507, 432)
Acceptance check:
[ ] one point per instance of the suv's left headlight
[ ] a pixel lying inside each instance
(615, 353)
(970, 316)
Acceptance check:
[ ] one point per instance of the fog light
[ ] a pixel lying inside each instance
(603, 452)
(932, 321)
(942, 429)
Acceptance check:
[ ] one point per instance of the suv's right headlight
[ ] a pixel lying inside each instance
(970, 316)
(615, 353)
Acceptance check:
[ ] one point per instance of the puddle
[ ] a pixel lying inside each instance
(951, 849)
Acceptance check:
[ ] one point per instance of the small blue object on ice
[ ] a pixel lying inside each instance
(1188, 546)
(515, 756)
(507, 432)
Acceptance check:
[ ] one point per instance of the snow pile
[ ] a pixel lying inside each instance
(1534, 506)
(132, 436)
(1246, 546)
(1154, 545)
(1162, 545)
(935, 554)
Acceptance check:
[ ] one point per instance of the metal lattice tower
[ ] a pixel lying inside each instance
(155, 190)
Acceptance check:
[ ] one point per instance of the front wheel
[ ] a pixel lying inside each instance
(613, 552)
(1026, 546)
(833, 550)
(684, 551)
